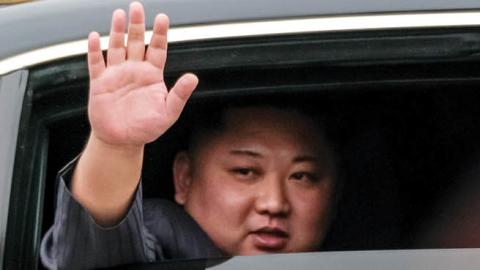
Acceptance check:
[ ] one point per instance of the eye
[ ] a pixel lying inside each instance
(244, 172)
(304, 177)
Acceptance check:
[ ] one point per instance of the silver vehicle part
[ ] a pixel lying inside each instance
(12, 90)
(260, 28)
(441, 259)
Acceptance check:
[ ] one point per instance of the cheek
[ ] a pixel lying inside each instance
(221, 207)
(217, 193)
(310, 217)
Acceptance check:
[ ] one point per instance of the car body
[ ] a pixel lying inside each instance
(343, 55)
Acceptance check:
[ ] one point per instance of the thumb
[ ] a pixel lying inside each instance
(179, 94)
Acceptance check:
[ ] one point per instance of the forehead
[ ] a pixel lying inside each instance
(285, 120)
(270, 129)
(270, 124)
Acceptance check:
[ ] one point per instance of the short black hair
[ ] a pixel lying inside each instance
(205, 119)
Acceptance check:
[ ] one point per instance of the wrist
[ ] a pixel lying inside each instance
(105, 179)
(94, 142)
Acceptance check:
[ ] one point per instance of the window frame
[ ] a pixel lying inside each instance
(42, 145)
(12, 92)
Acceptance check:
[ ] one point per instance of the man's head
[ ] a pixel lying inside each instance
(262, 182)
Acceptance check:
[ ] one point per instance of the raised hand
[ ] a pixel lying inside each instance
(129, 103)
(129, 106)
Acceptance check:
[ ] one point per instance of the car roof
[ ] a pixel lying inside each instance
(42, 23)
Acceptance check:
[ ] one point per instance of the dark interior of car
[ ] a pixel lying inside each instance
(404, 124)
(404, 151)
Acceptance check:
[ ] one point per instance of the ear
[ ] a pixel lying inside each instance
(182, 176)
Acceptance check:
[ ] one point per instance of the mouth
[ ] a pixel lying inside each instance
(269, 239)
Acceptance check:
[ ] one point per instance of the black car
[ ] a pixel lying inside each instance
(397, 82)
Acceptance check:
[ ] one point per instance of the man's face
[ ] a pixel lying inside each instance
(264, 184)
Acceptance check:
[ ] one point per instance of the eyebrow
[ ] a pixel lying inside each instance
(254, 154)
(245, 152)
(305, 158)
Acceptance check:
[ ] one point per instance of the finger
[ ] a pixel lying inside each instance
(157, 50)
(96, 63)
(179, 94)
(136, 33)
(116, 47)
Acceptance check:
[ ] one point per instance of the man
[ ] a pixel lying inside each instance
(259, 181)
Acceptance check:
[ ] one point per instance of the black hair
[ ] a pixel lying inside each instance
(208, 118)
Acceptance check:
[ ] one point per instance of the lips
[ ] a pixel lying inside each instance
(269, 239)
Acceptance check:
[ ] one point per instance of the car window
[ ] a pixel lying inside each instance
(401, 107)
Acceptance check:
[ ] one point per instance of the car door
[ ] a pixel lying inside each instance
(399, 88)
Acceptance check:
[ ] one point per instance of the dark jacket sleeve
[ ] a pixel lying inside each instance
(75, 241)
(177, 232)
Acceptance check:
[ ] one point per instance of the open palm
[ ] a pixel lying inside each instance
(129, 103)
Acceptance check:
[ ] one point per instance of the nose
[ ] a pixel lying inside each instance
(272, 198)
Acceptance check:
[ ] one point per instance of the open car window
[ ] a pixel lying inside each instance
(400, 106)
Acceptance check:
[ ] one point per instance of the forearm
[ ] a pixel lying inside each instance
(129, 105)
(106, 178)
(76, 242)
